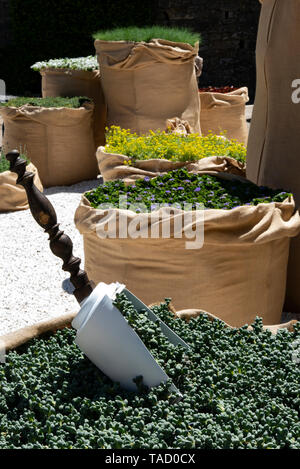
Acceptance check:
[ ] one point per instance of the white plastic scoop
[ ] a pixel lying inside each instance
(106, 338)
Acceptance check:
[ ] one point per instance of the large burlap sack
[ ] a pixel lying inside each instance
(68, 83)
(225, 112)
(15, 339)
(12, 196)
(115, 166)
(146, 83)
(58, 141)
(188, 314)
(239, 273)
(19, 337)
(274, 138)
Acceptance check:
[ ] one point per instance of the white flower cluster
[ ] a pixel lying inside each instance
(79, 63)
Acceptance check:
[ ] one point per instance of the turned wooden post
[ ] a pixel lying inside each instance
(45, 215)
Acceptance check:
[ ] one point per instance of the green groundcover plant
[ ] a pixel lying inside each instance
(145, 34)
(240, 389)
(74, 103)
(89, 63)
(180, 187)
(171, 146)
(5, 164)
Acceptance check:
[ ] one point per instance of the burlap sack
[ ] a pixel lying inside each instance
(240, 271)
(58, 141)
(68, 83)
(274, 138)
(19, 337)
(225, 112)
(194, 313)
(12, 196)
(15, 339)
(146, 83)
(113, 166)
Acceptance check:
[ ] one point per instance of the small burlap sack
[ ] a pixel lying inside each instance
(68, 83)
(274, 138)
(58, 141)
(239, 273)
(225, 112)
(113, 166)
(12, 196)
(146, 83)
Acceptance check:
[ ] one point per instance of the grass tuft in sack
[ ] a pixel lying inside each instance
(148, 75)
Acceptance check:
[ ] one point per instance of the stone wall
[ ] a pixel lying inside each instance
(228, 29)
(5, 34)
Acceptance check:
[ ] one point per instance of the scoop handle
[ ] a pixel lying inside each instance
(44, 214)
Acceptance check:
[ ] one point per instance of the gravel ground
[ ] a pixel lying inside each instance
(33, 286)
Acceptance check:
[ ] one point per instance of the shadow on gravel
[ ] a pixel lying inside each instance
(67, 286)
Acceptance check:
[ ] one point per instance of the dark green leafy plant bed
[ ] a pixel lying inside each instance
(74, 103)
(240, 390)
(179, 187)
(135, 34)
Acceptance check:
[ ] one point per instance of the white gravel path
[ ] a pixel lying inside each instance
(33, 287)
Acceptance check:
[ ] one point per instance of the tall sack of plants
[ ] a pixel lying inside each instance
(225, 112)
(56, 134)
(75, 77)
(147, 78)
(229, 259)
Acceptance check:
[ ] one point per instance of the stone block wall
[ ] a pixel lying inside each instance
(5, 33)
(228, 29)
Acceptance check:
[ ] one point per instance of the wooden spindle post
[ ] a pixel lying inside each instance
(45, 215)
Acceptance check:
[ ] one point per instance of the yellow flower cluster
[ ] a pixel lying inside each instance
(173, 147)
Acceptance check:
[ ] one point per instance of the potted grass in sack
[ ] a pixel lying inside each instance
(223, 110)
(129, 156)
(69, 77)
(57, 134)
(12, 196)
(148, 75)
(154, 236)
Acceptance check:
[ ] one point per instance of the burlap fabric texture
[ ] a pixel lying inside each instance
(12, 196)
